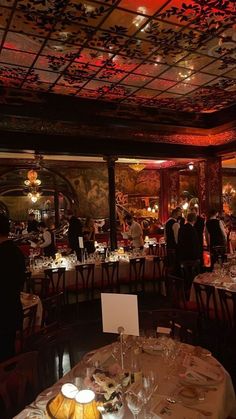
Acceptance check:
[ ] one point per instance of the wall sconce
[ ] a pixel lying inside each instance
(191, 166)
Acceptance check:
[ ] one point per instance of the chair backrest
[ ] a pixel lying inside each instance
(40, 286)
(110, 274)
(228, 308)
(85, 272)
(27, 283)
(52, 308)
(18, 383)
(29, 319)
(153, 249)
(206, 301)
(54, 346)
(183, 324)
(136, 269)
(189, 269)
(57, 278)
(176, 291)
(160, 269)
(162, 250)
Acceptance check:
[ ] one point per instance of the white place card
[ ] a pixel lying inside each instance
(120, 310)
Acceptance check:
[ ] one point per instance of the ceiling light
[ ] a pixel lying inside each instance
(191, 166)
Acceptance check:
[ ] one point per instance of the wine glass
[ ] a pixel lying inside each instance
(134, 403)
(148, 387)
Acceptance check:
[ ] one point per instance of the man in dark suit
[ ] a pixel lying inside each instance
(74, 232)
(188, 241)
(199, 226)
(12, 269)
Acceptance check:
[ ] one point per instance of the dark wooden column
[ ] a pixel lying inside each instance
(210, 184)
(112, 199)
(163, 199)
(173, 188)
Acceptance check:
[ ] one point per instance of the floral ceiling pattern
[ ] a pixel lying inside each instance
(166, 54)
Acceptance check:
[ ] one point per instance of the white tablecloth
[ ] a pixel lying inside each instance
(219, 399)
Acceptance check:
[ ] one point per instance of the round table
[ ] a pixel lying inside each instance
(218, 400)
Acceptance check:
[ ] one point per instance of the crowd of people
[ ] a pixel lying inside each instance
(185, 238)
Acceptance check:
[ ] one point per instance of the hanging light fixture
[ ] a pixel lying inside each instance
(32, 180)
(32, 183)
(137, 167)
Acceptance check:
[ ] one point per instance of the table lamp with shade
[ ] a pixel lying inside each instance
(85, 405)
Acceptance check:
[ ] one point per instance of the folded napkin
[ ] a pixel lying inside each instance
(162, 409)
(200, 372)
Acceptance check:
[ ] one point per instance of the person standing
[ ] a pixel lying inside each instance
(171, 231)
(188, 241)
(47, 242)
(199, 225)
(12, 264)
(32, 224)
(89, 235)
(74, 232)
(216, 236)
(135, 232)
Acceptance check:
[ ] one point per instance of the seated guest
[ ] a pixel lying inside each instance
(47, 241)
(135, 232)
(13, 277)
(89, 235)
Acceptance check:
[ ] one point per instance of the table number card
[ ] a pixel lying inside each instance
(120, 310)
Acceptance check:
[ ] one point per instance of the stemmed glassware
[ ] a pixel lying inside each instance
(148, 387)
(135, 403)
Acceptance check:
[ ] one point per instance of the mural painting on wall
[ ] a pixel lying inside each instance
(138, 188)
(91, 188)
(188, 187)
(229, 194)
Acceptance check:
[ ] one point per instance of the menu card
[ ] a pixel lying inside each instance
(120, 310)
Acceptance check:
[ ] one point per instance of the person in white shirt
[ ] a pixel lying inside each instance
(135, 232)
(47, 242)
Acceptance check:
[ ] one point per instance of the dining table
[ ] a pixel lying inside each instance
(69, 263)
(189, 383)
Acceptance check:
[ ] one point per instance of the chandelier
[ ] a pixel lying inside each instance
(32, 184)
(137, 167)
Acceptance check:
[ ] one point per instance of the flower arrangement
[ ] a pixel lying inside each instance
(108, 390)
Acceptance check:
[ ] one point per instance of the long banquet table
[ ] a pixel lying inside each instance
(70, 269)
(215, 399)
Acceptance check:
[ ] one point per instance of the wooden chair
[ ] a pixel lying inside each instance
(228, 309)
(153, 249)
(110, 275)
(52, 310)
(18, 383)
(27, 283)
(84, 281)
(183, 324)
(176, 292)
(27, 327)
(162, 250)
(136, 273)
(159, 273)
(40, 286)
(54, 346)
(189, 269)
(206, 301)
(57, 277)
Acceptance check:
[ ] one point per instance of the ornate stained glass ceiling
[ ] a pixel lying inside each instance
(168, 54)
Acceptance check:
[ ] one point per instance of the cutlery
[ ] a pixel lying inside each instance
(202, 411)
